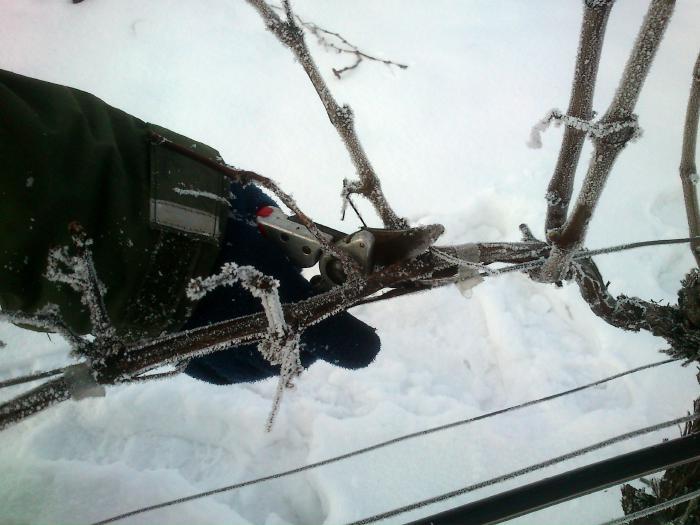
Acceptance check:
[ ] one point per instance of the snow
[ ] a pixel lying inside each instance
(447, 135)
(203, 194)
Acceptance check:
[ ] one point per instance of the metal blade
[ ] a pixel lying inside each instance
(392, 246)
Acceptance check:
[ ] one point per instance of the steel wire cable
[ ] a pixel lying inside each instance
(653, 510)
(526, 470)
(583, 254)
(382, 444)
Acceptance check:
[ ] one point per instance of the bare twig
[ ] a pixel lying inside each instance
(526, 233)
(38, 399)
(688, 171)
(349, 49)
(595, 20)
(156, 377)
(280, 346)
(342, 118)
(46, 320)
(634, 314)
(31, 377)
(345, 47)
(571, 235)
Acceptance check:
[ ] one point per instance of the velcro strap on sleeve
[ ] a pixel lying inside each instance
(186, 196)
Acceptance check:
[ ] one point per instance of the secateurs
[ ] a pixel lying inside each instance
(371, 248)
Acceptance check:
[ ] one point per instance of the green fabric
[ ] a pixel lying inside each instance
(67, 156)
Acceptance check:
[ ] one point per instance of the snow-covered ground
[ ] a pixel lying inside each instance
(448, 137)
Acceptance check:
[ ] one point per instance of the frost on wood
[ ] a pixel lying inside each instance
(291, 35)
(281, 344)
(78, 272)
(634, 314)
(51, 393)
(599, 3)
(687, 168)
(201, 286)
(617, 127)
(639, 63)
(596, 130)
(592, 35)
(335, 42)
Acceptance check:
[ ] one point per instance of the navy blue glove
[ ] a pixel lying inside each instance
(341, 340)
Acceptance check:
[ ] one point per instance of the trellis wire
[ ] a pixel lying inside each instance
(382, 444)
(527, 470)
(31, 377)
(583, 254)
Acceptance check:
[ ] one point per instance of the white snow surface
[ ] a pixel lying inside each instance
(448, 137)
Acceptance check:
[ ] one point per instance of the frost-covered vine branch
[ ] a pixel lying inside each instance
(350, 266)
(291, 35)
(688, 170)
(677, 324)
(571, 235)
(342, 46)
(595, 20)
(280, 346)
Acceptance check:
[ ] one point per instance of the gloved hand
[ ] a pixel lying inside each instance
(341, 340)
(68, 157)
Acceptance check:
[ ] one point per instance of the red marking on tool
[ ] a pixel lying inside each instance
(265, 211)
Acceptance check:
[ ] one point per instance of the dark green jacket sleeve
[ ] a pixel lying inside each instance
(155, 217)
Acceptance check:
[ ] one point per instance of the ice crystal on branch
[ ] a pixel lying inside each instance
(202, 194)
(281, 344)
(201, 286)
(78, 272)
